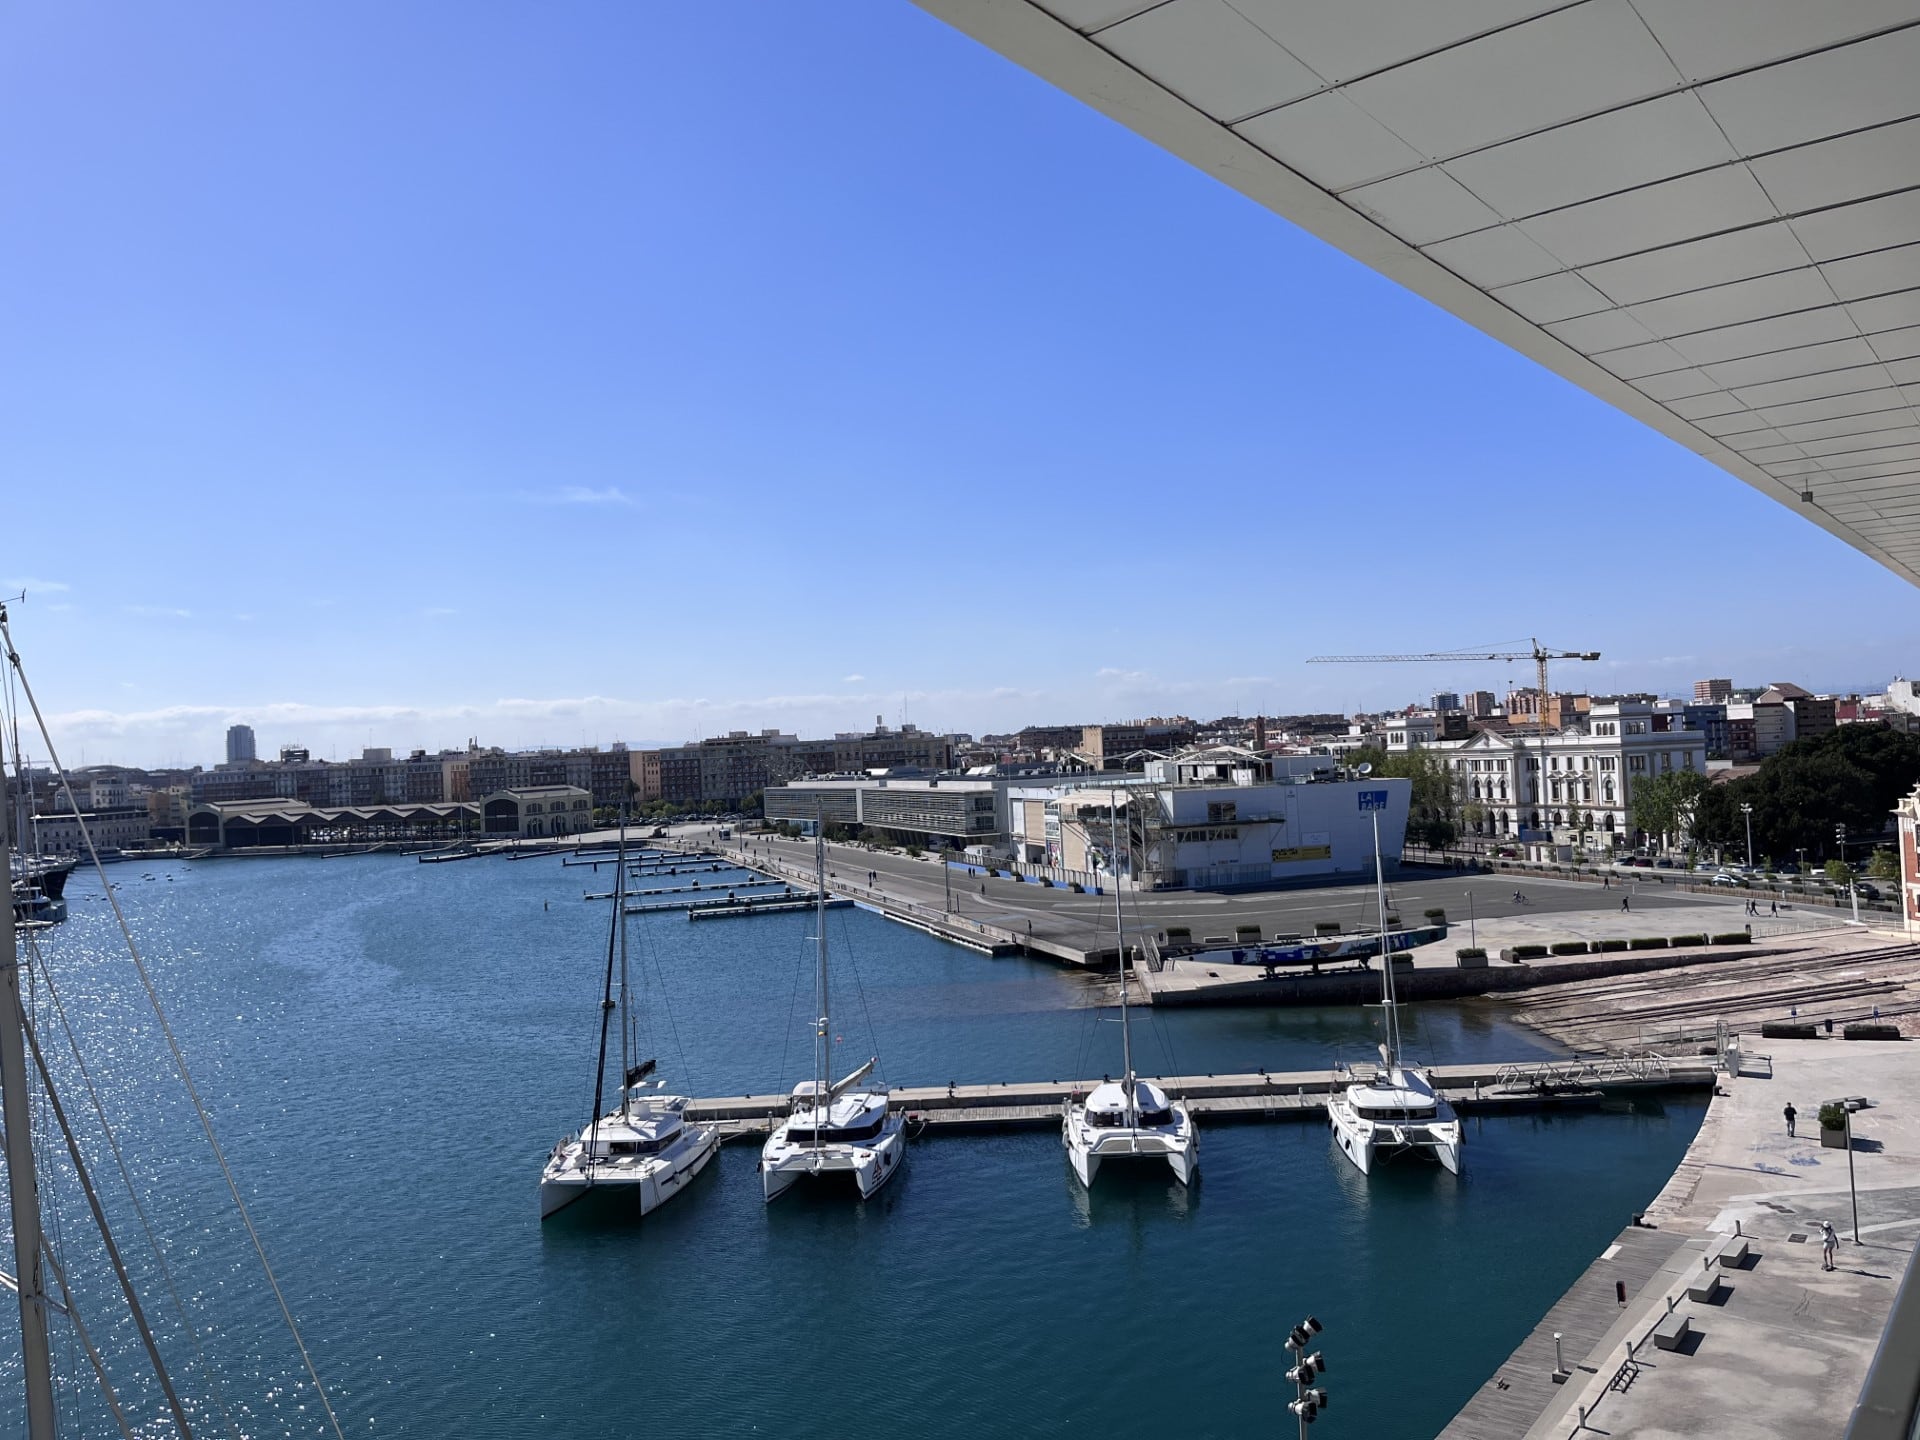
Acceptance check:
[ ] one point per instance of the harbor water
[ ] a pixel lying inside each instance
(388, 1050)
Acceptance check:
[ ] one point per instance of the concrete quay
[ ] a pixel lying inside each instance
(1780, 1347)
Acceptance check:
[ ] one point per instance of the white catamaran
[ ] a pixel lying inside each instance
(1132, 1118)
(1397, 1112)
(843, 1128)
(641, 1154)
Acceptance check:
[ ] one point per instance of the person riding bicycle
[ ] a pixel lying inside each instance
(1519, 898)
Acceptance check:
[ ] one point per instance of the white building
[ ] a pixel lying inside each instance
(1577, 782)
(1213, 818)
(537, 810)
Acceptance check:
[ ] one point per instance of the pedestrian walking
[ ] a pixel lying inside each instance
(1829, 1243)
(1606, 882)
(1626, 902)
(1773, 907)
(1791, 1115)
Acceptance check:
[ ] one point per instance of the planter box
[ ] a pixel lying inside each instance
(1833, 1139)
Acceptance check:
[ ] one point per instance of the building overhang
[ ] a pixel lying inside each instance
(1704, 212)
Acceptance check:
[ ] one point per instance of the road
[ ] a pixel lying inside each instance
(1086, 921)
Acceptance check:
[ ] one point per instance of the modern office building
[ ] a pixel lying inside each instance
(240, 749)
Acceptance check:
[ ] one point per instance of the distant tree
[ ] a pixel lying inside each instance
(1839, 872)
(1853, 775)
(1885, 865)
(1666, 805)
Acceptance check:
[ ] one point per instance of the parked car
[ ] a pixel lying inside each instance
(1866, 889)
(1787, 869)
(1727, 878)
(1663, 864)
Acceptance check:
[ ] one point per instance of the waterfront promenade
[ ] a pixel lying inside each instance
(1783, 1346)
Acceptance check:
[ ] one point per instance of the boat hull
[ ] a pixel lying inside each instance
(1089, 1147)
(870, 1164)
(633, 1190)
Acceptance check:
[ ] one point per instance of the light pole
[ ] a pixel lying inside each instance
(1473, 934)
(1849, 1105)
(1747, 810)
(1308, 1401)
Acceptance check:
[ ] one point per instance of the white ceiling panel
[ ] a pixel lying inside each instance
(1896, 344)
(1785, 364)
(1211, 56)
(1852, 229)
(1880, 273)
(1493, 257)
(1423, 206)
(1833, 172)
(1709, 40)
(1596, 334)
(1887, 312)
(1676, 384)
(1092, 14)
(1553, 297)
(1715, 403)
(1814, 387)
(1638, 361)
(1698, 264)
(1331, 141)
(1734, 304)
(1885, 398)
(1759, 337)
(1654, 215)
(1345, 39)
(1881, 420)
(1556, 68)
(1654, 140)
(1706, 212)
(1866, 83)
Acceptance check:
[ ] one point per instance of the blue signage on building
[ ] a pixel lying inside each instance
(1373, 799)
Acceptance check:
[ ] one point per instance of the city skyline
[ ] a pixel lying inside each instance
(574, 410)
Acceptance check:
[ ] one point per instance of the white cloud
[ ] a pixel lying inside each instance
(851, 679)
(28, 585)
(578, 495)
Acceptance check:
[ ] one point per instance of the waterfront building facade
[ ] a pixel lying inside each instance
(122, 828)
(1577, 783)
(536, 811)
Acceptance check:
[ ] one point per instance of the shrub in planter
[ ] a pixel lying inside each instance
(1870, 1030)
(1437, 917)
(1833, 1125)
(1569, 947)
(1607, 947)
(1529, 952)
(1393, 922)
(1326, 927)
(1647, 942)
(1679, 940)
(1788, 1030)
(1733, 937)
(1476, 952)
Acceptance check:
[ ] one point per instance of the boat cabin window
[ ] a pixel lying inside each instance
(1156, 1117)
(838, 1134)
(1394, 1112)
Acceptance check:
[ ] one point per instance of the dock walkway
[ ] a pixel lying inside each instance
(1276, 1095)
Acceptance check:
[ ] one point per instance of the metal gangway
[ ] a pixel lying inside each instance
(1587, 1072)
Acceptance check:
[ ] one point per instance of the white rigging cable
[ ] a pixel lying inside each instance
(166, 1029)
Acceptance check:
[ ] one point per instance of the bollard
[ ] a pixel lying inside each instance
(1736, 1227)
(1559, 1364)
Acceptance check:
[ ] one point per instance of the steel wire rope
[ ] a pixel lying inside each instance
(81, 1173)
(59, 1010)
(47, 1170)
(72, 1313)
(1160, 1027)
(173, 1042)
(651, 953)
(873, 1039)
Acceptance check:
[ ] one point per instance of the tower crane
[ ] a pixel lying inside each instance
(1539, 656)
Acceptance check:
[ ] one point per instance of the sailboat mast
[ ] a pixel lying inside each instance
(1386, 953)
(620, 909)
(1120, 943)
(826, 1003)
(36, 1349)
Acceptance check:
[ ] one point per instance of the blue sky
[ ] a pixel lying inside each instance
(554, 374)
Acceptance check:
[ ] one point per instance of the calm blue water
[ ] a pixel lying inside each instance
(389, 1049)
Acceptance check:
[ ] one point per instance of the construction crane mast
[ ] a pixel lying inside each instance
(1539, 656)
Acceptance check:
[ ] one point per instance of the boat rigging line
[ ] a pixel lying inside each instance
(167, 1031)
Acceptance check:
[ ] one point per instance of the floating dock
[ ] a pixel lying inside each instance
(729, 910)
(1275, 1095)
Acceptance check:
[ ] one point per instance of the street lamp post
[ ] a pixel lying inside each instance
(1747, 810)
(1849, 1105)
(1309, 1399)
(1473, 934)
